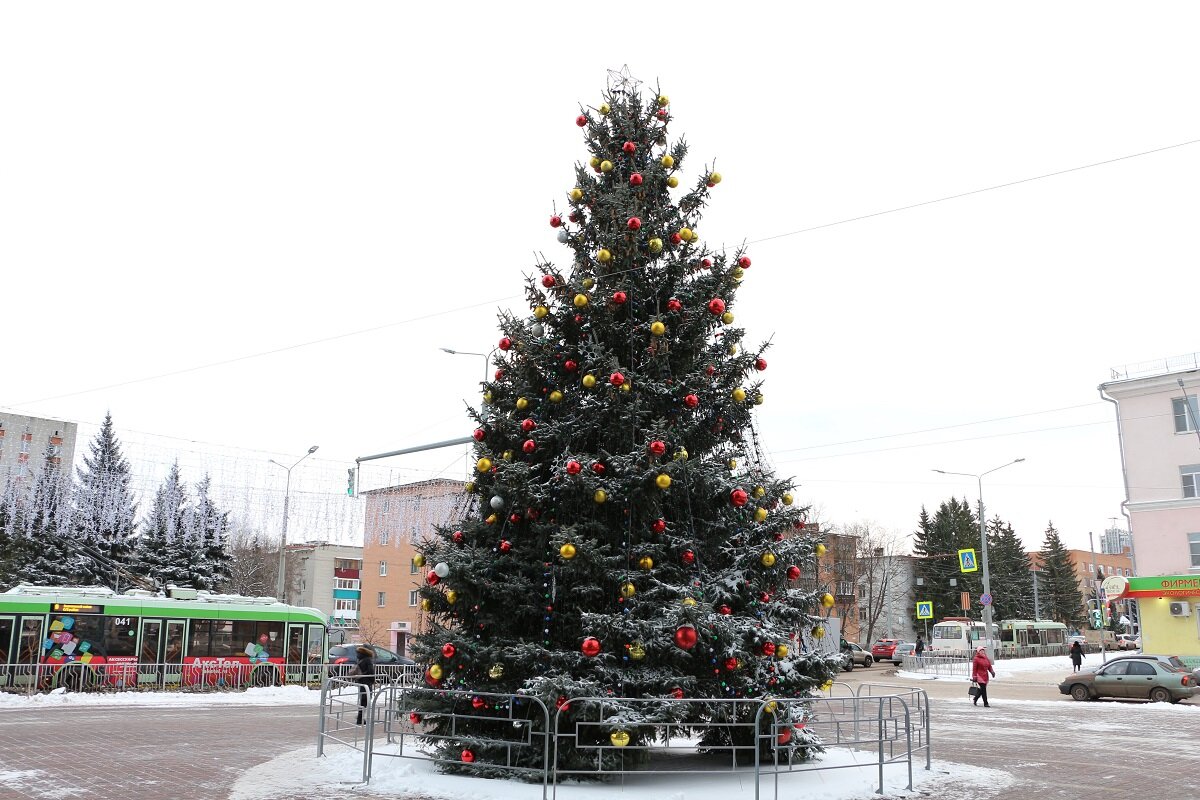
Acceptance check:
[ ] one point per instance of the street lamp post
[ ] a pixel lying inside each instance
(987, 578)
(279, 578)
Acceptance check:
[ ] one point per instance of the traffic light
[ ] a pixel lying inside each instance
(1097, 623)
(350, 482)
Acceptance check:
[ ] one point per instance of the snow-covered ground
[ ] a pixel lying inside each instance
(60, 698)
(300, 771)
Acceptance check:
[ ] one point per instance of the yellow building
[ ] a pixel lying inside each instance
(1170, 612)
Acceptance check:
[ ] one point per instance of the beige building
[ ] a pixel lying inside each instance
(327, 577)
(397, 517)
(26, 441)
(1157, 416)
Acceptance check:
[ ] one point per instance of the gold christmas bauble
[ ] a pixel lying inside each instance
(418, 561)
(483, 464)
(787, 498)
(819, 632)
(827, 600)
(604, 256)
(759, 491)
(657, 328)
(688, 601)
(522, 403)
(732, 463)
(606, 166)
(567, 551)
(507, 456)
(663, 100)
(469, 487)
(663, 481)
(681, 454)
(435, 672)
(540, 312)
(768, 559)
(556, 396)
(604, 108)
(589, 380)
(760, 515)
(636, 651)
(627, 386)
(580, 300)
(594, 162)
(672, 181)
(820, 550)
(781, 651)
(426, 605)
(738, 273)
(646, 562)
(655, 245)
(628, 590)
(668, 161)
(739, 395)
(727, 318)
(685, 234)
(451, 597)
(770, 707)
(714, 177)
(619, 738)
(732, 350)
(491, 519)
(600, 496)
(576, 194)
(487, 396)
(496, 671)
(759, 399)
(588, 283)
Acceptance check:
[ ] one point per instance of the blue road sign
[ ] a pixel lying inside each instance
(985, 599)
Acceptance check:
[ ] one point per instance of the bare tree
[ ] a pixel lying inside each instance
(254, 562)
(877, 573)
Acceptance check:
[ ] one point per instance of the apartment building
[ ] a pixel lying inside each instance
(327, 577)
(1159, 435)
(396, 519)
(26, 441)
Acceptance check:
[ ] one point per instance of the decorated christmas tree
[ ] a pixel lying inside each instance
(629, 539)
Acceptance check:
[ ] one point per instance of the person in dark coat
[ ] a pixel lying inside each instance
(1076, 655)
(920, 647)
(981, 668)
(364, 676)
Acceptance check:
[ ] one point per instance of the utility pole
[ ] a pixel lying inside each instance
(1037, 608)
(1096, 594)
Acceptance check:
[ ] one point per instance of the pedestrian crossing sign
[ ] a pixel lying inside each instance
(924, 609)
(966, 560)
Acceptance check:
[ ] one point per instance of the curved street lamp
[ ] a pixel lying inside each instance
(279, 578)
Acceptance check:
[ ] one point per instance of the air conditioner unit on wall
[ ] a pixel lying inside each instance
(1180, 608)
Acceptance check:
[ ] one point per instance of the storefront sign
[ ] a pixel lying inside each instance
(1162, 586)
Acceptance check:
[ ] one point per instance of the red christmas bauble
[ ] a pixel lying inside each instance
(619, 298)
(532, 513)
(629, 147)
(764, 597)
(528, 424)
(691, 401)
(686, 637)
(677, 693)
(785, 735)
(706, 263)
(674, 305)
(529, 446)
(458, 537)
(633, 223)
(793, 572)
(744, 262)
(659, 525)
(738, 497)
(768, 648)
(505, 545)
(414, 718)
(432, 578)
(505, 343)
(573, 467)
(635, 179)
(514, 517)
(560, 702)
(675, 238)
(573, 216)
(716, 306)
(590, 647)
(730, 664)
(548, 281)
(725, 610)
(479, 434)
(448, 650)
(710, 370)
(657, 447)
(432, 681)
(555, 221)
(616, 379)
(466, 755)
(760, 364)
(598, 467)
(581, 120)
(499, 374)
(478, 702)
(688, 557)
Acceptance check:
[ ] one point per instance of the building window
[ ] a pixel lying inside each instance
(342, 604)
(1189, 475)
(412, 598)
(412, 568)
(383, 538)
(1185, 417)
(387, 505)
(345, 583)
(382, 568)
(1194, 547)
(845, 589)
(381, 600)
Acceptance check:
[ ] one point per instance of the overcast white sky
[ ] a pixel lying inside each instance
(184, 185)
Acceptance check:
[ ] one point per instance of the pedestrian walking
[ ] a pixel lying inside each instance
(1076, 655)
(364, 673)
(981, 669)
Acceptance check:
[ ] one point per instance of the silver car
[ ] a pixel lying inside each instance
(903, 649)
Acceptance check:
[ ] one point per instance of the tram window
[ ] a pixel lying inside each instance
(75, 635)
(274, 633)
(223, 644)
(120, 636)
(1006, 634)
(200, 638)
(249, 635)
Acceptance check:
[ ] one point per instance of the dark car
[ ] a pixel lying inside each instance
(1154, 678)
(884, 648)
(343, 658)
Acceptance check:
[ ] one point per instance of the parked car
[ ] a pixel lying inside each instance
(343, 658)
(1155, 678)
(1174, 661)
(883, 648)
(1128, 641)
(903, 649)
(860, 657)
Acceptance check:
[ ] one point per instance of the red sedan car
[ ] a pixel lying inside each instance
(883, 649)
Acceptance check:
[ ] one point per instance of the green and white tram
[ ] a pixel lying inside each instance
(82, 637)
(1040, 636)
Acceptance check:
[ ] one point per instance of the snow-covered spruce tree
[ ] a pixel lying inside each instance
(630, 541)
(208, 528)
(105, 510)
(163, 551)
(52, 556)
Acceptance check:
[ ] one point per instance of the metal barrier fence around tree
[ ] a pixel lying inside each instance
(892, 723)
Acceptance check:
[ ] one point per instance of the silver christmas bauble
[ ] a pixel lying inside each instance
(497, 502)
(562, 235)
(442, 569)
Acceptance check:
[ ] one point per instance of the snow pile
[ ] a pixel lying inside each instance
(268, 696)
(37, 783)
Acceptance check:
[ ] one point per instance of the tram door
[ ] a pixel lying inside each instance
(317, 654)
(151, 652)
(7, 626)
(27, 646)
(173, 650)
(294, 671)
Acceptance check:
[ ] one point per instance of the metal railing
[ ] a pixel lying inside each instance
(955, 666)
(340, 719)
